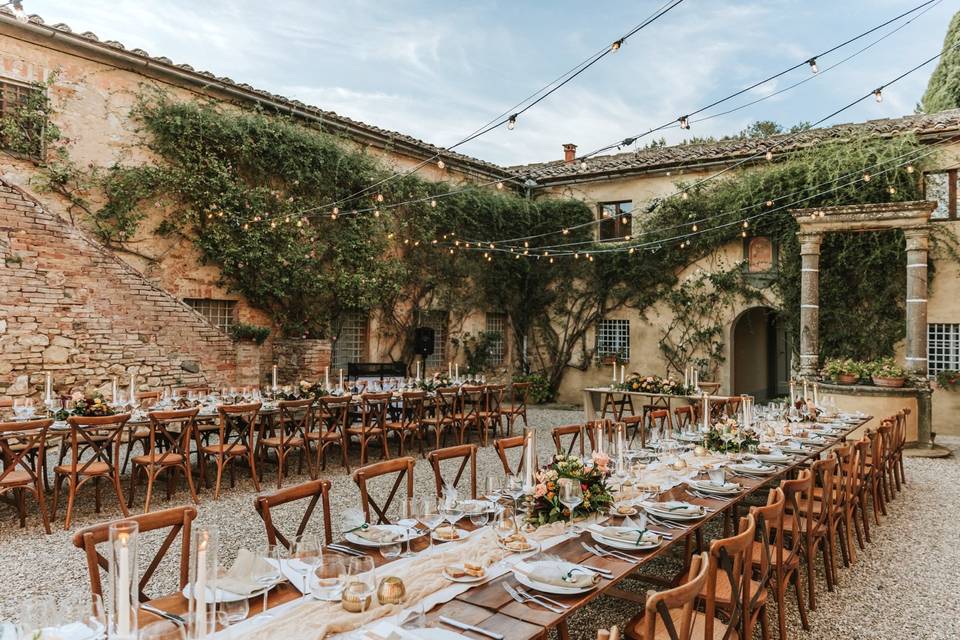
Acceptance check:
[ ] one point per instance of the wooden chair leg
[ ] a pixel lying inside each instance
(119, 492)
(42, 505)
(804, 622)
(71, 496)
(216, 489)
(188, 472)
(811, 576)
(151, 477)
(253, 470)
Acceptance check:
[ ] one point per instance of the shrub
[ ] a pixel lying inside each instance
(243, 331)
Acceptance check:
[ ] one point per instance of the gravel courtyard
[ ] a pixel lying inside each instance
(903, 586)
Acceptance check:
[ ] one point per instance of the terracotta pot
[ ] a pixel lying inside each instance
(847, 378)
(889, 382)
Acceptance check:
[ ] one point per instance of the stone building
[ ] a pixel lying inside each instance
(85, 312)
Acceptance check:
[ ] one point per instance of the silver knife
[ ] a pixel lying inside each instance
(469, 627)
(166, 615)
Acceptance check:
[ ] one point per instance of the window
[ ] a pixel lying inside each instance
(22, 105)
(943, 348)
(496, 324)
(436, 320)
(351, 343)
(613, 339)
(941, 187)
(219, 313)
(617, 221)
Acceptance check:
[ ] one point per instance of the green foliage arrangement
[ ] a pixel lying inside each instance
(943, 88)
(540, 390)
(835, 367)
(884, 368)
(25, 127)
(243, 331)
(478, 349)
(948, 380)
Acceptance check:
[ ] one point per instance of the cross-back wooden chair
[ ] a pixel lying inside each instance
(296, 421)
(168, 450)
(140, 435)
(94, 451)
(775, 564)
(503, 445)
(519, 395)
(683, 417)
(316, 491)
(23, 449)
(374, 412)
(883, 460)
(661, 421)
(718, 408)
(236, 431)
(862, 519)
(733, 406)
(873, 475)
(442, 414)
(814, 532)
(729, 572)
(901, 444)
(579, 435)
(401, 467)
(671, 614)
(466, 454)
(470, 417)
(790, 549)
(840, 517)
(492, 413)
(331, 418)
(179, 521)
(409, 422)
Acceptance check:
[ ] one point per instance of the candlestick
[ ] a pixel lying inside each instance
(273, 378)
(418, 371)
(599, 446)
(326, 378)
(48, 389)
(816, 395)
(705, 411)
(793, 399)
(449, 369)
(622, 367)
(696, 378)
(123, 579)
(341, 379)
(686, 377)
(621, 446)
(805, 390)
(528, 463)
(456, 371)
(613, 380)
(203, 569)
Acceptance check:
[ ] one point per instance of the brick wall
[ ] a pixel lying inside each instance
(298, 359)
(69, 306)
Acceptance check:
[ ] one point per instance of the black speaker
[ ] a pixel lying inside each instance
(423, 341)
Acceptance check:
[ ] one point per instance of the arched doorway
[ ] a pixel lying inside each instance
(759, 361)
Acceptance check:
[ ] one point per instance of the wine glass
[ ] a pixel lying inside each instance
(492, 488)
(571, 494)
(273, 554)
(479, 518)
(328, 578)
(505, 523)
(408, 519)
(361, 580)
(428, 513)
(235, 611)
(452, 512)
(305, 554)
(36, 614)
(391, 550)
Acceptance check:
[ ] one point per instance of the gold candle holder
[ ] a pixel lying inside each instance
(354, 598)
(391, 590)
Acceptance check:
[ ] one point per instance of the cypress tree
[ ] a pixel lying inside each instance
(943, 90)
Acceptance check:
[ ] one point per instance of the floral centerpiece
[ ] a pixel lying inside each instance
(546, 506)
(303, 390)
(727, 436)
(432, 384)
(654, 384)
(85, 405)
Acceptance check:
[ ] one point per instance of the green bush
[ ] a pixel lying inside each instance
(243, 331)
(540, 390)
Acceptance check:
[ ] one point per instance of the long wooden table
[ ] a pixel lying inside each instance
(595, 399)
(488, 604)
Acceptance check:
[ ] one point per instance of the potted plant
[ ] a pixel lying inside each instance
(885, 372)
(948, 380)
(243, 331)
(842, 371)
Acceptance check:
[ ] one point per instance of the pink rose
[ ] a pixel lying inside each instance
(539, 491)
(77, 396)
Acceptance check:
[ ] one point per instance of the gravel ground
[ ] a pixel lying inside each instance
(903, 586)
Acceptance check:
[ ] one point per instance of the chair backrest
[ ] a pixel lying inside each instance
(238, 423)
(660, 419)
(98, 436)
(412, 407)
(314, 490)
(578, 432)
(402, 467)
(493, 398)
(467, 454)
(684, 416)
(334, 412)
(519, 395)
(796, 494)
(846, 473)
(733, 406)
(447, 401)
(374, 409)
(171, 431)
(661, 607)
(503, 445)
(178, 520)
(823, 476)
(471, 401)
(731, 557)
(769, 526)
(21, 443)
(296, 419)
(863, 446)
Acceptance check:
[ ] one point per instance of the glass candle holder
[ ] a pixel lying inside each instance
(124, 580)
(203, 573)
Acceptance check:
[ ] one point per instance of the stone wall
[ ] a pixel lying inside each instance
(69, 306)
(298, 359)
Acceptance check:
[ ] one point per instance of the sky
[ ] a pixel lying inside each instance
(439, 70)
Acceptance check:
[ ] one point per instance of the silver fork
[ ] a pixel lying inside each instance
(343, 549)
(604, 553)
(521, 599)
(665, 524)
(526, 594)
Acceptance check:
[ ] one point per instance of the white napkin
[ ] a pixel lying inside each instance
(72, 631)
(378, 534)
(674, 507)
(390, 631)
(556, 574)
(241, 577)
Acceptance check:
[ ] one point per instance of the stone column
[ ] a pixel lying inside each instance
(917, 241)
(809, 304)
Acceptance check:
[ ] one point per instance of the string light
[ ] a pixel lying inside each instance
(441, 164)
(878, 94)
(566, 231)
(746, 223)
(379, 197)
(512, 122)
(684, 122)
(866, 177)
(769, 155)
(769, 203)
(499, 186)
(433, 203)
(813, 65)
(743, 233)
(892, 189)
(376, 213)
(694, 228)
(616, 45)
(632, 250)
(910, 168)
(685, 195)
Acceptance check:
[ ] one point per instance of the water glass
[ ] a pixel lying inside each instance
(362, 579)
(428, 513)
(36, 614)
(492, 488)
(479, 519)
(327, 580)
(571, 494)
(305, 554)
(408, 519)
(391, 550)
(273, 555)
(234, 612)
(163, 630)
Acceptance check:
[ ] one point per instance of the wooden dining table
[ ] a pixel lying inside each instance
(488, 604)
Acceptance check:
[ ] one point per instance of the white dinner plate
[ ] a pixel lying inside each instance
(759, 470)
(464, 534)
(617, 543)
(772, 458)
(549, 588)
(725, 489)
(225, 596)
(363, 542)
(479, 506)
(467, 578)
(690, 437)
(666, 514)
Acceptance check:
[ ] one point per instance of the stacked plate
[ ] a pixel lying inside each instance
(400, 534)
(675, 510)
(755, 468)
(526, 574)
(773, 458)
(626, 538)
(708, 486)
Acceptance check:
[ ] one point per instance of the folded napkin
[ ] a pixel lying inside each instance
(378, 534)
(630, 535)
(389, 631)
(241, 578)
(557, 574)
(72, 631)
(674, 506)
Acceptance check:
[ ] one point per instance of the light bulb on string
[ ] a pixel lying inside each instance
(892, 189)
(866, 177)
(743, 233)
(813, 65)
(379, 197)
(769, 203)
(769, 155)
(417, 243)
(273, 224)
(615, 46)
(684, 122)
(576, 256)
(499, 186)
(390, 236)
(878, 94)
(512, 122)
(746, 223)
(456, 242)
(566, 231)
(467, 245)
(245, 226)
(910, 168)
(492, 246)
(376, 213)
(685, 195)
(257, 218)
(551, 260)
(526, 244)
(441, 164)
(694, 228)
(433, 203)
(632, 250)
(517, 256)
(451, 251)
